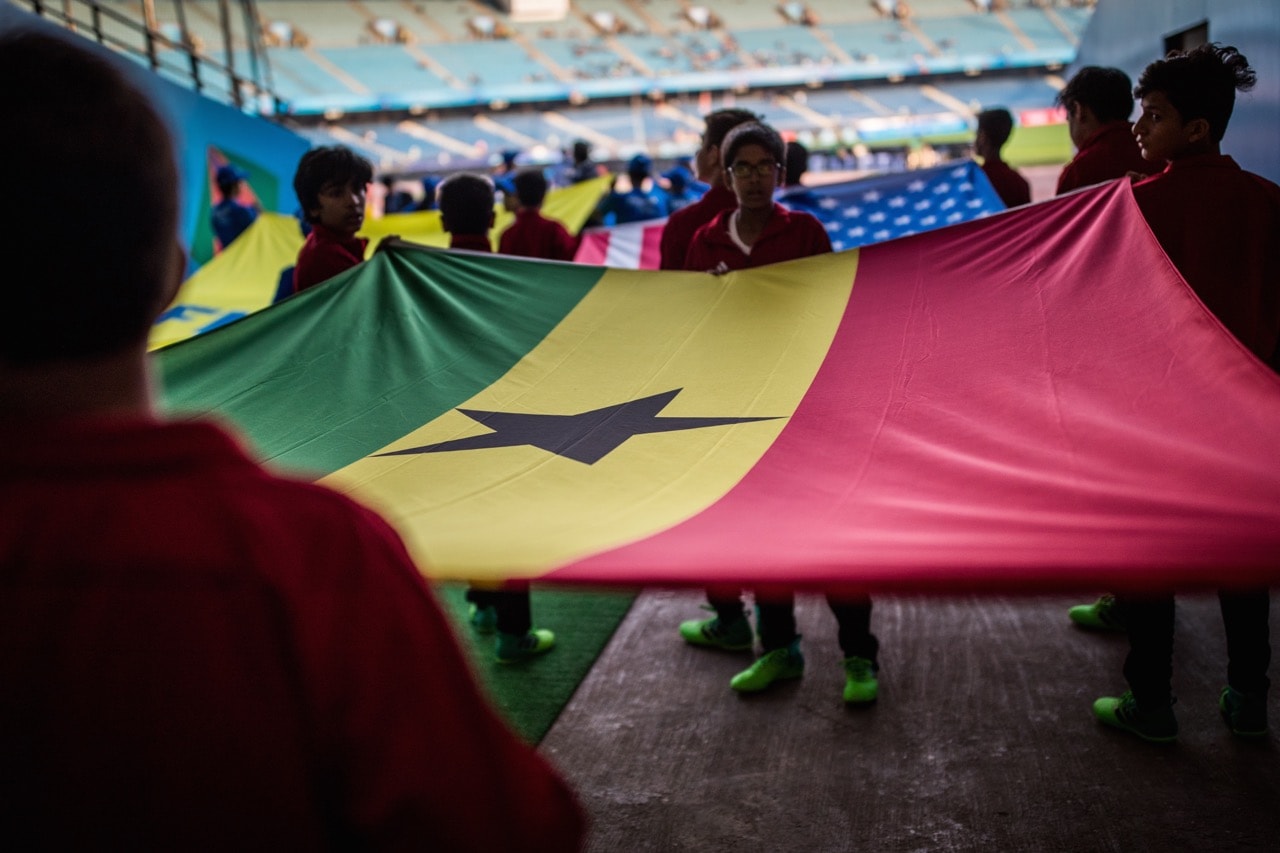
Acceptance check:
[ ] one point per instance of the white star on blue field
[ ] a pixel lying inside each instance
(879, 208)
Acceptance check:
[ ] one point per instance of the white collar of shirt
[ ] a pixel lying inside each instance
(733, 234)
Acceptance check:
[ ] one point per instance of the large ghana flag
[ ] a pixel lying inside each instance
(1031, 401)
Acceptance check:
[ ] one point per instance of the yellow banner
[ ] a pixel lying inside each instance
(238, 280)
(243, 278)
(570, 205)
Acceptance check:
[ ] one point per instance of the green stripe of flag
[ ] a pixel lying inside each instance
(422, 331)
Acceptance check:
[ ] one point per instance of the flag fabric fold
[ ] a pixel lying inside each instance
(1031, 401)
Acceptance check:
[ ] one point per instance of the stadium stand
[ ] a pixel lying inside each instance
(421, 84)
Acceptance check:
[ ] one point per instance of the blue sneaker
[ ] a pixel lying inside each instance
(1158, 725)
(777, 665)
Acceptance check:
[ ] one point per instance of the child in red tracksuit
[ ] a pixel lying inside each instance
(533, 235)
(466, 213)
(759, 231)
(1219, 225)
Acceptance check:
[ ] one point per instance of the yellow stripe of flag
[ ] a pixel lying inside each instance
(738, 346)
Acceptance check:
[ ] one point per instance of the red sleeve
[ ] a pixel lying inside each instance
(418, 754)
(696, 257)
(821, 240)
(674, 246)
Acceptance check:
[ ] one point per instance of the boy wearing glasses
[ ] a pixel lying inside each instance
(757, 231)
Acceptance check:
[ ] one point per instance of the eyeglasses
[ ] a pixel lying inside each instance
(760, 170)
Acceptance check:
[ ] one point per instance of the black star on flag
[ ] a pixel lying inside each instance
(586, 437)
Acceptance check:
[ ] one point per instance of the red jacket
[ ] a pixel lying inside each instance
(1012, 188)
(533, 235)
(788, 235)
(1110, 153)
(200, 655)
(684, 223)
(324, 255)
(1220, 225)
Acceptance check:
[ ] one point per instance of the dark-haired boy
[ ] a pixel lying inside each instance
(198, 653)
(1220, 225)
(331, 183)
(466, 203)
(756, 230)
(681, 225)
(533, 235)
(1099, 102)
(994, 128)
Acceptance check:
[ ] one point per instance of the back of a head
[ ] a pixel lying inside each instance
(752, 133)
(335, 164)
(1107, 92)
(466, 203)
(796, 164)
(639, 168)
(228, 180)
(719, 123)
(531, 187)
(1200, 83)
(114, 255)
(581, 151)
(997, 124)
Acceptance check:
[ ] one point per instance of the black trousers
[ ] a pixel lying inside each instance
(511, 603)
(776, 622)
(1149, 665)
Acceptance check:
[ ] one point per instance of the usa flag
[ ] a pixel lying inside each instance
(872, 210)
(856, 213)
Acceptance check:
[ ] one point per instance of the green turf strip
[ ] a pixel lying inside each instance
(530, 694)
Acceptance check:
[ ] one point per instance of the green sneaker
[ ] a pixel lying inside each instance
(734, 636)
(512, 648)
(1122, 712)
(777, 665)
(860, 684)
(1102, 615)
(484, 619)
(1244, 713)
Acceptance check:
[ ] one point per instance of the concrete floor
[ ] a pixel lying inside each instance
(982, 739)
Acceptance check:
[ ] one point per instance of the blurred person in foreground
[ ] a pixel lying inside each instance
(198, 653)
